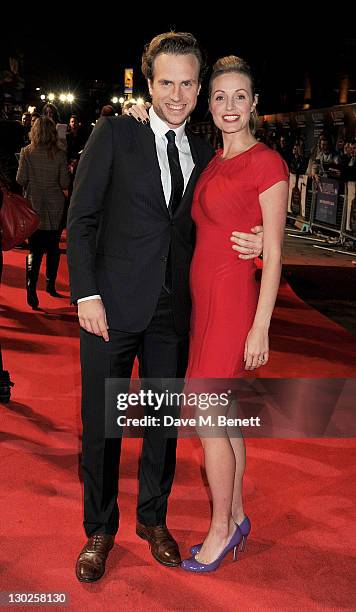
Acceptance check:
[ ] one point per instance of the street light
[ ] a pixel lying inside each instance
(114, 100)
(51, 97)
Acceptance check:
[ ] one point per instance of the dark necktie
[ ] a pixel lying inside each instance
(177, 179)
(177, 188)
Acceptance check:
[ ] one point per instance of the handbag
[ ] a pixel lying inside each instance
(18, 220)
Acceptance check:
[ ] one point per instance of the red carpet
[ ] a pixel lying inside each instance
(299, 494)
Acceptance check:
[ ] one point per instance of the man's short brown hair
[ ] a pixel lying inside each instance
(175, 43)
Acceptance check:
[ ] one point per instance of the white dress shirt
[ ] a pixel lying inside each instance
(160, 129)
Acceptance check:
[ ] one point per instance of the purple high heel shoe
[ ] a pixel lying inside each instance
(193, 565)
(245, 528)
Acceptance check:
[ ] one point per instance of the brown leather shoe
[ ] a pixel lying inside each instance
(91, 561)
(163, 546)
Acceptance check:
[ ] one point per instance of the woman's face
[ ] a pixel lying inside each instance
(347, 148)
(231, 102)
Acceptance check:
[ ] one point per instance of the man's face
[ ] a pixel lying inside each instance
(324, 145)
(26, 119)
(174, 87)
(73, 123)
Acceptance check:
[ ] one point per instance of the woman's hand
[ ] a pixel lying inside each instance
(139, 112)
(256, 348)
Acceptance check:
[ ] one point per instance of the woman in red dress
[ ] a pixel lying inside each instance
(245, 184)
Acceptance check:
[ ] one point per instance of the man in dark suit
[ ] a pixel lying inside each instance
(131, 239)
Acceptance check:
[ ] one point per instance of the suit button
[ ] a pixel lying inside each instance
(164, 259)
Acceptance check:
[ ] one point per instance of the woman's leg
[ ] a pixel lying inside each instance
(52, 261)
(33, 264)
(238, 446)
(220, 470)
(239, 449)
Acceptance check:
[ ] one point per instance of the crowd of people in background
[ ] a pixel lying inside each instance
(325, 160)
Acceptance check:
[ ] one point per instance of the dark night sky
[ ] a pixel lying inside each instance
(67, 53)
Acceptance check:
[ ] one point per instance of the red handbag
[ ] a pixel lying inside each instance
(18, 220)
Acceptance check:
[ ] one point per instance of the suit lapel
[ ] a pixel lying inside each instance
(188, 192)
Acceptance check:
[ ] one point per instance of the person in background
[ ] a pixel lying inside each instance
(76, 139)
(34, 116)
(107, 111)
(347, 152)
(26, 124)
(297, 164)
(339, 157)
(349, 170)
(320, 159)
(11, 142)
(43, 173)
(51, 111)
(283, 149)
(5, 382)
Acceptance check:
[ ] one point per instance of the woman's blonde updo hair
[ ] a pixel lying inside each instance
(232, 63)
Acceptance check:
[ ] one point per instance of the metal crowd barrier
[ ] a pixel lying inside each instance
(327, 208)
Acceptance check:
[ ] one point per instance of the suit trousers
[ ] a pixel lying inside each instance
(162, 353)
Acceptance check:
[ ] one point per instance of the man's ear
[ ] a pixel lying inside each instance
(149, 82)
(199, 88)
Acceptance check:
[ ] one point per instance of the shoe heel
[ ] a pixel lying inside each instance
(235, 553)
(243, 544)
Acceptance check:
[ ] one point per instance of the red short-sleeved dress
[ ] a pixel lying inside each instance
(223, 287)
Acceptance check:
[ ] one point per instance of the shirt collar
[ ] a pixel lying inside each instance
(160, 128)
